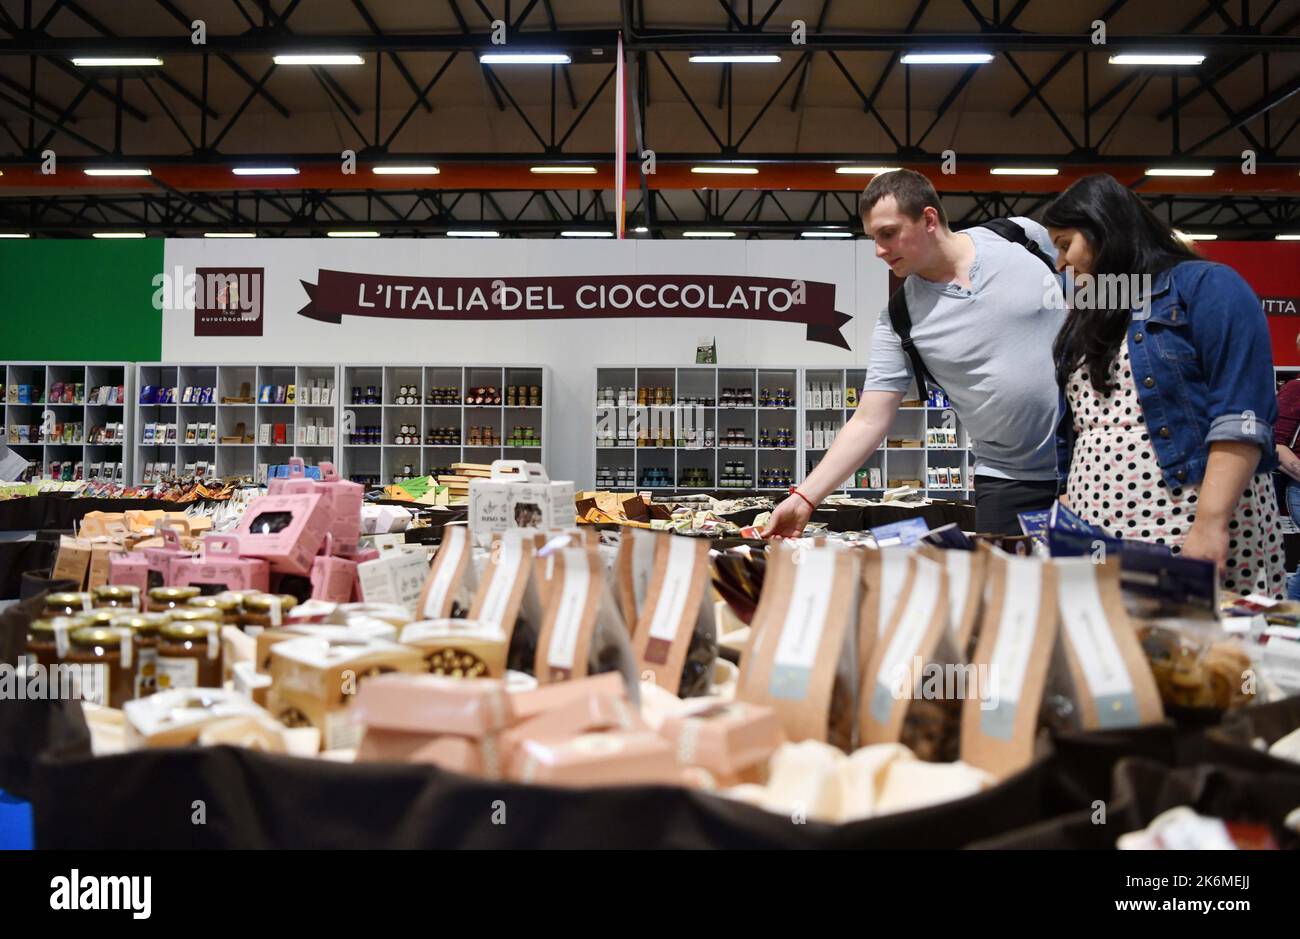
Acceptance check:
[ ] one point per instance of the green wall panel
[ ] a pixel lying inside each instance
(80, 300)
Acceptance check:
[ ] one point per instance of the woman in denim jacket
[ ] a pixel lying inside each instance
(1167, 404)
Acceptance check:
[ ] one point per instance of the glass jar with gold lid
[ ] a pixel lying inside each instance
(112, 596)
(162, 599)
(47, 639)
(145, 627)
(110, 647)
(263, 611)
(189, 654)
(223, 607)
(66, 604)
(96, 618)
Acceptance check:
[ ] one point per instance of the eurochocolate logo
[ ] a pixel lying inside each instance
(1281, 306)
(228, 301)
(345, 293)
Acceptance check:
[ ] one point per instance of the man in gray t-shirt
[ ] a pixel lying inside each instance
(984, 313)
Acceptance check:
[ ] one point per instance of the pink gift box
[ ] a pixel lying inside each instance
(287, 529)
(332, 578)
(343, 502)
(129, 569)
(219, 567)
(159, 560)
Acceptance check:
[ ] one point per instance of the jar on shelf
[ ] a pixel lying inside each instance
(48, 639)
(112, 596)
(222, 607)
(145, 627)
(113, 649)
(189, 655)
(166, 599)
(67, 603)
(265, 611)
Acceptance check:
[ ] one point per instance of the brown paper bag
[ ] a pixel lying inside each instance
(73, 561)
(884, 574)
(450, 565)
(802, 659)
(1017, 633)
(675, 640)
(1099, 664)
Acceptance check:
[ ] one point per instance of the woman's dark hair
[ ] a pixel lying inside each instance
(1126, 238)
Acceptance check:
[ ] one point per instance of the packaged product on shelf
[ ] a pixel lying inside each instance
(675, 638)
(802, 658)
(507, 596)
(1017, 632)
(314, 680)
(633, 567)
(901, 701)
(518, 495)
(732, 740)
(396, 576)
(1098, 666)
(176, 718)
(459, 648)
(582, 632)
(286, 529)
(884, 574)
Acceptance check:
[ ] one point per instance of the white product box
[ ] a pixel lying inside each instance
(528, 498)
(837, 397)
(264, 435)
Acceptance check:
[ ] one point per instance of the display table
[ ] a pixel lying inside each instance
(58, 511)
(145, 799)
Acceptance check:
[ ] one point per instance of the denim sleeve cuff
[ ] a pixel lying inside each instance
(1232, 427)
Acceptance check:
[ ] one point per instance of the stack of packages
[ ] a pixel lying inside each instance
(87, 558)
(460, 477)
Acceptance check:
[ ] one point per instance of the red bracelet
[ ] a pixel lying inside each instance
(794, 491)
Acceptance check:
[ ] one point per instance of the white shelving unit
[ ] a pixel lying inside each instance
(469, 427)
(26, 424)
(896, 463)
(676, 426)
(235, 447)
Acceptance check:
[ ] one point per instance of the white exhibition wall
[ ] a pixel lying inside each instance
(572, 348)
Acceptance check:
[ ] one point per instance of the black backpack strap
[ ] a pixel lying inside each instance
(1008, 230)
(901, 320)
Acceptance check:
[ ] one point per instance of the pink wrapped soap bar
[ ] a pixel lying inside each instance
(726, 739)
(433, 704)
(611, 759)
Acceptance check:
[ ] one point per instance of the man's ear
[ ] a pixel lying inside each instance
(931, 216)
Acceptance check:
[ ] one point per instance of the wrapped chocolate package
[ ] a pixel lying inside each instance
(802, 659)
(507, 596)
(1099, 678)
(1017, 632)
(676, 638)
(449, 588)
(909, 688)
(582, 632)
(459, 648)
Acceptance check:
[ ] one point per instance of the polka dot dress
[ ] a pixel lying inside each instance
(1115, 483)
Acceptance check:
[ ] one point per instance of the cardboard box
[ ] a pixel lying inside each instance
(396, 576)
(73, 561)
(526, 499)
(433, 704)
(314, 681)
(219, 567)
(286, 529)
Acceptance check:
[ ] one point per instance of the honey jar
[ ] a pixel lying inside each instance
(112, 648)
(189, 655)
(66, 604)
(47, 639)
(111, 596)
(222, 607)
(264, 611)
(165, 599)
(145, 628)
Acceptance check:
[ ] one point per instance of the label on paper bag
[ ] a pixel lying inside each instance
(1094, 645)
(504, 572)
(1020, 600)
(454, 543)
(907, 637)
(893, 577)
(673, 593)
(568, 620)
(801, 633)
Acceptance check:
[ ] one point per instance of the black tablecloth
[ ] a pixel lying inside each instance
(18, 557)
